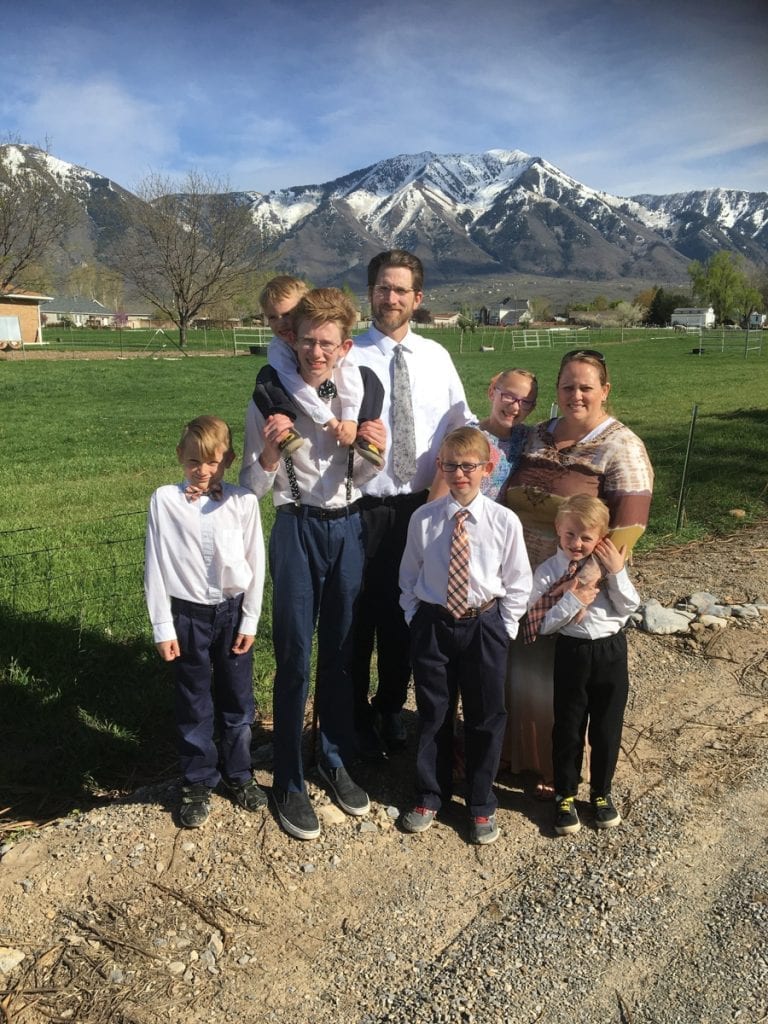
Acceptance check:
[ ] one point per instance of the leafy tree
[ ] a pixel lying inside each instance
(541, 308)
(192, 246)
(660, 311)
(35, 216)
(422, 315)
(722, 283)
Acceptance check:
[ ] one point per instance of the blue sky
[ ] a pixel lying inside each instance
(626, 96)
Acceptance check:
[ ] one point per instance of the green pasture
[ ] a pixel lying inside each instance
(86, 702)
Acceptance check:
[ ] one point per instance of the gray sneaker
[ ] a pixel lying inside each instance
(349, 796)
(296, 814)
(248, 795)
(195, 804)
(418, 819)
(484, 830)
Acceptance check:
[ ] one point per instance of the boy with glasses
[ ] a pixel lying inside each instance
(316, 563)
(465, 580)
(280, 387)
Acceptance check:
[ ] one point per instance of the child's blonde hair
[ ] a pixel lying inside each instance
(591, 512)
(280, 288)
(207, 434)
(467, 441)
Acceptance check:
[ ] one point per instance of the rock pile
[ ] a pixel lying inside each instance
(694, 614)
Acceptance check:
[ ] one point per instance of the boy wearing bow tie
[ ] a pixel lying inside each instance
(203, 580)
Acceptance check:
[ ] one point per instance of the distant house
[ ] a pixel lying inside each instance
(692, 316)
(445, 319)
(79, 312)
(89, 313)
(20, 322)
(514, 311)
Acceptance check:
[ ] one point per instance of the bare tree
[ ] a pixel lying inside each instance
(192, 246)
(35, 214)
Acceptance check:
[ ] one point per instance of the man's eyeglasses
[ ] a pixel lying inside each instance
(591, 353)
(508, 396)
(383, 291)
(326, 347)
(465, 467)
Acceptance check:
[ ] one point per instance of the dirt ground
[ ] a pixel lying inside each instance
(122, 917)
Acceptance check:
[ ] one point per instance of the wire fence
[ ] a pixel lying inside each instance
(91, 573)
(235, 341)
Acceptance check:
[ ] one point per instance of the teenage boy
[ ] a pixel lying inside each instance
(204, 579)
(280, 381)
(583, 594)
(316, 562)
(465, 580)
(423, 400)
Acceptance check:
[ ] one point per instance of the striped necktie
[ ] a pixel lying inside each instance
(458, 567)
(533, 620)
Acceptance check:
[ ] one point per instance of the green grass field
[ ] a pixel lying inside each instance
(85, 700)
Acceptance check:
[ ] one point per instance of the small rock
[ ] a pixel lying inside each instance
(393, 812)
(745, 611)
(713, 622)
(176, 967)
(27, 884)
(368, 826)
(216, 945)
(660, 620)
(330, 814)
(702, 600)
(9, 959)
(737, 513)
(308, 868)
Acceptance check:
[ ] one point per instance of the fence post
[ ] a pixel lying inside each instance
(681, 499)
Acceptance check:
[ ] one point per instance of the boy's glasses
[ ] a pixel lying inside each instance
(465, 467)
(508, 396)
(590, 353)
(326, 347)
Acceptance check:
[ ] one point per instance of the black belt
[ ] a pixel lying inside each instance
(316, 512)
(470, 613)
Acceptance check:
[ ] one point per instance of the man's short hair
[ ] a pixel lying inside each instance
(326, 305)
(280, 288)
(397, 258)
(205, 435)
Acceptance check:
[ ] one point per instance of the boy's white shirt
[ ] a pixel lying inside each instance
(203, 551)
(282, 358)
(498, 562)
(607, 614)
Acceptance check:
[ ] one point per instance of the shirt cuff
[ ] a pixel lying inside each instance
(163, 631)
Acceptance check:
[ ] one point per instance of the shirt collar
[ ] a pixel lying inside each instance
(386, 345)
(453, 506)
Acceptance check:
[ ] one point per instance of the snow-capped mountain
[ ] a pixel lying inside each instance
(502, 212)
(467, 216)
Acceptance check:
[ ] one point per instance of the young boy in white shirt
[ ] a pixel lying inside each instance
(464, 581)
(280, 387)
(204, 580)
(583, 594)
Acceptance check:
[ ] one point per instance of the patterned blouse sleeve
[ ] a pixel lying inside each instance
(628, 481)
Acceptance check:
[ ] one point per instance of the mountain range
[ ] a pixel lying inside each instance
(468, 216)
